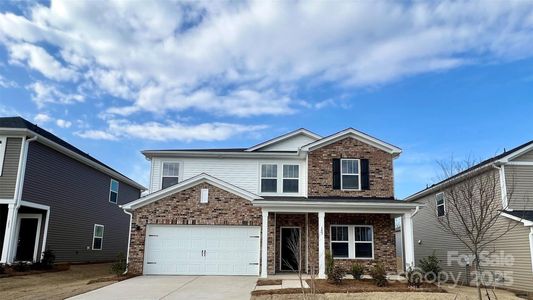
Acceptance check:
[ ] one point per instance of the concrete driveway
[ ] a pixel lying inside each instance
(177, 287)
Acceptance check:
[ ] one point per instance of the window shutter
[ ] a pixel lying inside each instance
(365, 178)
(336, 174)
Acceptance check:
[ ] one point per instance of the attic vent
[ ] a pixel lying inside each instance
(204, 196)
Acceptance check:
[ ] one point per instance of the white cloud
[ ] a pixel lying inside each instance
(43, 94)
(169, 131)
(252, 58)
(42, 118)
(6, 83)
(38, 59)
(63, 123)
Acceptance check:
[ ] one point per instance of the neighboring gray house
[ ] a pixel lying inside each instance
(515, 177)
(55, 196)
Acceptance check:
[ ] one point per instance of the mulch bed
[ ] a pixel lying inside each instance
(10, 272)
(112, 278)
(262, 282)
(354, 286)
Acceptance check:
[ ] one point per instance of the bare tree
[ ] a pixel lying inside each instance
(472, 208)
(293, 245)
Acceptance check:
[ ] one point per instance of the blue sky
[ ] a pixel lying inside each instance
(438, 80)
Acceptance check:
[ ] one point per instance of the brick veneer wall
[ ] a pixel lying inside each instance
(320, 169)
(223, 208)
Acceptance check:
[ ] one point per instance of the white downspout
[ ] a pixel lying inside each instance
(129, 241)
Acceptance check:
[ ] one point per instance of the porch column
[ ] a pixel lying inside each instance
(264, 244)
(11, 222)
(408, 240)
(321, 247)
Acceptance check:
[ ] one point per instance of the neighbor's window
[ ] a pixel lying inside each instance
(98, 237)
(269, 178)
(3, 141)
(113, 191)
(441, 204)
(350, 174)
(352, 241)
(290, 178)
(171, 171)
(340, 243)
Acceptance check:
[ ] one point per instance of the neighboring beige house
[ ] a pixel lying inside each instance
(514, 172)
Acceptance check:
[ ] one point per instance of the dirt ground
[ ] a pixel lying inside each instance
(57, 285)
(458, 293)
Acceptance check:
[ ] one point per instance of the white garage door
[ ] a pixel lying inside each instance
(202, 250)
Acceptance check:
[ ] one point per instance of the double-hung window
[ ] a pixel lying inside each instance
(113, 191)
(3, 141)
(269, 178)
(98, 237)
(290, 178)
(352, 241)
(171, 171)
(440, 204)
(350, 174)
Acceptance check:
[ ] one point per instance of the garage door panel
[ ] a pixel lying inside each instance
(177, 250)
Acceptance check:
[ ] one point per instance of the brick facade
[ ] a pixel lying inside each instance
(184, 207)
(320, 169)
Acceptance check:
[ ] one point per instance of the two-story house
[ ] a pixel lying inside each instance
(512, 171)
(238, 211)
(56, 197)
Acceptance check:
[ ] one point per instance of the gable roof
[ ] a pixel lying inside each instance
(300, 131)
(19, 124)
(500, 158)
(350, 132)
(188, 183)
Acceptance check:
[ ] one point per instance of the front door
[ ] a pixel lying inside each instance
(28, 229)
(290, 249)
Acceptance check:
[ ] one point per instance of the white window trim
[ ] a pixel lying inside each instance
(352, 241)
(111, 190)
(358, 174)
(277, 179)
(3, 139)
(204, 196)
(443, 204)
(290, 178)
(180, 171)
(94, 236)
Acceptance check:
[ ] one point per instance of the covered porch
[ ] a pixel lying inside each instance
(297, 233)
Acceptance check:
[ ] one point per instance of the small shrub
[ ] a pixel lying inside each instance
(119, 266)
(379, 275)
(337, 275)
(357, 271)
(330, 263)
(430, 267)
(414, 278)
(48, 260)
(21, 267)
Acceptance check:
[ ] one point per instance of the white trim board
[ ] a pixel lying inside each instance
(37, 233)
(283, 137)
(191, 182)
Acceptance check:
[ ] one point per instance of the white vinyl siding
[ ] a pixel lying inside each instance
(3, 141)
(292, 144)
(247, 177)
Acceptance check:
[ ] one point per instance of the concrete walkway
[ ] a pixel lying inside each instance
(177, 287)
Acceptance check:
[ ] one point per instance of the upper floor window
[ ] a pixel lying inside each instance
(3, 141)
(98, 237)
(290, 178)
(113, 191)
(350, 174)
(269, 178)
(171, 171)
(440, 202)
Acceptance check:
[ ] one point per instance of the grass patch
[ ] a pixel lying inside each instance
(10, 271)
(354, 286)
(262, 282)
(112, 278)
